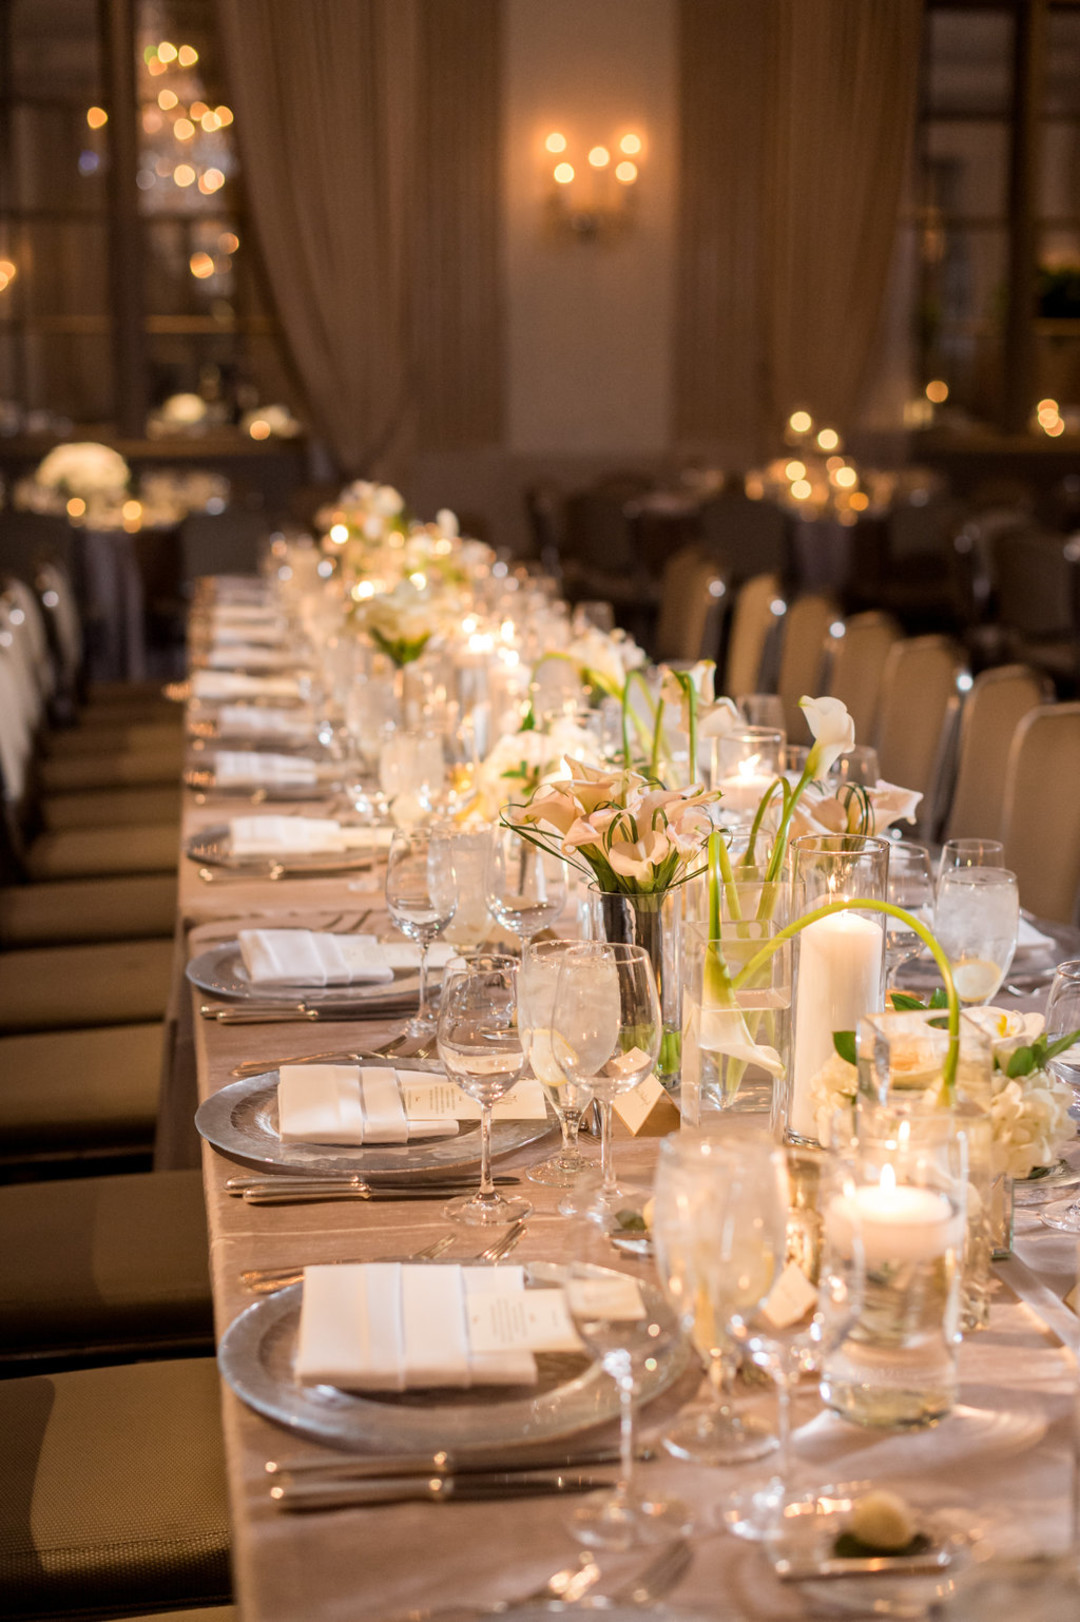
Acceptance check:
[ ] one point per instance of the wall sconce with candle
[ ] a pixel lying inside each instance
(593, 197)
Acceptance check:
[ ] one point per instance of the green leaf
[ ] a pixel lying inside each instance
(844, 1043)
(1049, 1049)
(901, 1000)
(939, 998)
(939, 1024)
(1022, 1063)
(528, 723)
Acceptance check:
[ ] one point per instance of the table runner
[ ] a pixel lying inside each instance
(1010, 1443)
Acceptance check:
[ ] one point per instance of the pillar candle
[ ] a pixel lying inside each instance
(841, 961)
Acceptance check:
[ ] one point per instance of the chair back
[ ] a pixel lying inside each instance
(998, 702)
(16, 639)
(855, 664)
(1041, 820)
(37, 637)
(802, 658)
(917, 715)
(62, 620)
(598, 530)
(751, 621)
(692, 598)
(16, 731)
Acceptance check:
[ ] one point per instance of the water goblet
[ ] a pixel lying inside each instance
(524, 886)
(606, 1030)
(911, 886)
(1062, 1017)
(697, 1178)
(808, 1313)
(976, 921)
(538, 983)
(970, 853)
(411, 774)
(625, 1326)
(480, 1045)
(421, 895)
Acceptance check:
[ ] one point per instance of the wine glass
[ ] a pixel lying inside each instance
(970, 853)
(625, 1325)
(911, 886)
(697, 1177)
(411, 774)
(976, 921)
(537, 986)
(524, 886)
(421, 895)
(480, 1045)
(807, 1314)
(606, 1030)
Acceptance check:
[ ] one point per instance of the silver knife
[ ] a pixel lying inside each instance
(258, 1067)
(287, 1184)
(433, 1464)
(493, 1485)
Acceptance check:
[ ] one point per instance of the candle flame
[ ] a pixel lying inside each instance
(748, 768)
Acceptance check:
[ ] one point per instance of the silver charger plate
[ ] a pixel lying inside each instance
(213, 848)
(242, 1121)
(220, 970)
(257, 1357)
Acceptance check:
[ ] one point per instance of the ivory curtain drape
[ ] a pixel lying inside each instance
(368, 131)
(796, 119)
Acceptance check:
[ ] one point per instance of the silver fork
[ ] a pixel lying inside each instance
(267, 1280)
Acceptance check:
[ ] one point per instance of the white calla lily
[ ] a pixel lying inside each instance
(834, 733)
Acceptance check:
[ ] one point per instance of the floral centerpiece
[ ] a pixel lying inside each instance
(400, 622)
(520, 762)
(86, 472)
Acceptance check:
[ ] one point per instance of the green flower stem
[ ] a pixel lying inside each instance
(657, 738)
(948, 1078)
(776, 861)
(686, 682)
(628, 715)
(755, 827)
(716, 862)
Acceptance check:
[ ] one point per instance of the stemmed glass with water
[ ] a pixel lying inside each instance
(524, 886)
(606, 1030)
(480, 1045)
(538, 982)
(976, 921)
(421, 896)
(911, 886)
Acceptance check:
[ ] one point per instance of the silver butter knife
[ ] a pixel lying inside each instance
(431, 1464)
(493, 1485)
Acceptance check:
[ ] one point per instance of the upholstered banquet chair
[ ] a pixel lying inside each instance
(1041, 816)
(802, 657)
(114, 1494)
(79, 1094)
(752, 620)
(917, 716)
(692, 599)
(997, 703)
(110, 1266)
(855, 664)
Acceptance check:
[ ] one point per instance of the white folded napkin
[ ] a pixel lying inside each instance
(389, 1326)
(244, 614)
(1028, 937)
(342, 1103)
(237, 768)
(304, 957)
(251, 720)
(278, 836)
(214, 685)
(246, 656)
(264, 633)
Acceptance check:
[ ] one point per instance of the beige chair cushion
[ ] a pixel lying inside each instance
(73, 910)
(104, 1263)
(117, 738)
(59, 987)
(118, 769)
(74, 853)
(752, 620)
(113, 1490)
(62, 1090)
(112, 808)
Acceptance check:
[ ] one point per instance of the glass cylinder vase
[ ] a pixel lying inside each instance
(901, 1058)
(721, 1073)
(839, 961)
(651, 919)
(745, 763)
(904, 1198)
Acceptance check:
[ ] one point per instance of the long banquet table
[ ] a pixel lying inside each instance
(1008, 1451)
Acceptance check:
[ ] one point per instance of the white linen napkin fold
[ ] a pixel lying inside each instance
(246, 656)
(305, 957)
(262, 633)
(342, 1103)
(388, 1326)
(276, 836)
(1028, 937)
(214, 685)
(240, 720)
(244, 614)
(235, 768)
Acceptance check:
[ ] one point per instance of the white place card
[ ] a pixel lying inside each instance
(430, 1097)
(791, 1298)
(526, 1320)
(612, 1299)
